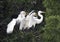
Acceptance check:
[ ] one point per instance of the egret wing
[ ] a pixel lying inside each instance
(11, 25)
(22, 24)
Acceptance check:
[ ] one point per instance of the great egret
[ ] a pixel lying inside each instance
(32, 20)
(19, 19)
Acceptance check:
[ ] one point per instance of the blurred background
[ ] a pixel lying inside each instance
(47, 31)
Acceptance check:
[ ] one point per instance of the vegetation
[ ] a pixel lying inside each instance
(52, 16)
(47, 31)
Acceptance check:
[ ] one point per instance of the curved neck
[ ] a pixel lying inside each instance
(41, 19)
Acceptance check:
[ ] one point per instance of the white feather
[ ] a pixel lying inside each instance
(31, 20)
(11, 25)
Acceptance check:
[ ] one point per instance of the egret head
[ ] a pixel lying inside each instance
(23, 13)
(40, 12)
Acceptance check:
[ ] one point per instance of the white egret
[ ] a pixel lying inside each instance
(31, 20)
(19, 19)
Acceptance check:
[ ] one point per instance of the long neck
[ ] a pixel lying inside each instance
(41, 19)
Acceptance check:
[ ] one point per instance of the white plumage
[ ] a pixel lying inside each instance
(19, 19)
(21, 16)
(11, 25)
(31, 20)
(25, 22)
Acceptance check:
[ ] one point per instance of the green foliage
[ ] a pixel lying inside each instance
(52, 7)
(52, 27)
